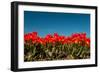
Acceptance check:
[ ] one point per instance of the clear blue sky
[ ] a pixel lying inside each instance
(51, 22)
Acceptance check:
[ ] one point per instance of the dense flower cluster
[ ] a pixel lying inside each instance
(79, 38)
(54, 47)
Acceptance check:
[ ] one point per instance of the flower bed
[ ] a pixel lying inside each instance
(56, 47)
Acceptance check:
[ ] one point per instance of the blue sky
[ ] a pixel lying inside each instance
(51, 22)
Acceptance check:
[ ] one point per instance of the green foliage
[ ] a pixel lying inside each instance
(58, 51)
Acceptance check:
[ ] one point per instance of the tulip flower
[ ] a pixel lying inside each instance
(57, 46)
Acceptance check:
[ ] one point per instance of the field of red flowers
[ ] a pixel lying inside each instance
(56, 47)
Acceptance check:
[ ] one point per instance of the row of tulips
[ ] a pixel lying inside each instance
(56, 47)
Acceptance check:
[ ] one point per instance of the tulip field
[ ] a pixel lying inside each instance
(56, 47)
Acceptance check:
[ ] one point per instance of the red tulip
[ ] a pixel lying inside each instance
(78, 38)
(88, 41)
